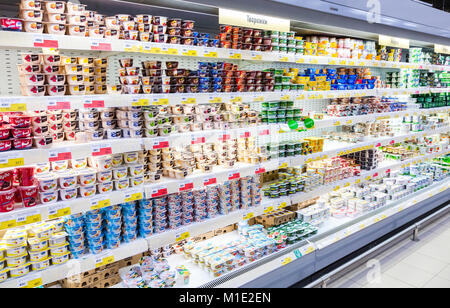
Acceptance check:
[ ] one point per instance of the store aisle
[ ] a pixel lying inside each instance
(423, 264)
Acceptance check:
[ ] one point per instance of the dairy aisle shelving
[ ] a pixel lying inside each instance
(189, 55)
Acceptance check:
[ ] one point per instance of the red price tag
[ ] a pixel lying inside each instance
(58, 156)
(388, 171)
(246, 135)
(209, 181)
(94, 104)
(158, 192)
(234, 176)
(198, 140)
(378, 145)
(224, 137)
(101, 46)
(58, 105)
(41, 42)
(264, 132)
(375, 175)
(186, 186)
(392, 142)
(260, 170)
(99, 150)
(160, 144)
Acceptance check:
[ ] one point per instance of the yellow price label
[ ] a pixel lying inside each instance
(237, 56)
(301, 60)
(337, 123)
(342, 62)
(154, 50)
(190, 100)
(357, 181)
(268, 209)
(162, 101)
(362, 226)
(13, 162)
(283, 165)
(237, 99)
(14, 108)
(134, 197)
(309, 250)
(331, 62)
(170, 51)
(346, 184)
(286, 261)
(352, 63)
(258, 99)
(101, 204)
(314, 61)
(336, 188)
(285, 97)
(141, 102)
(104, 261)
(61, 213)
(248, 216)
(362, 63)
(34, 283)
(7, 224)
(190, 53)
(211, 54)
(28, 220)
(282, 205)
(257, 57)
(383, 217)
(284, 59)
(182, 236)
(368, 178)
(215, 100)
(349, 122)
(301, 97)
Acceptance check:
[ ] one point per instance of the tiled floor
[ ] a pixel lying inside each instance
(423, 264)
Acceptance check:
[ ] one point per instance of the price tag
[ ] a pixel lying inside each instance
(58, 210)
(235, 55)
(283, 164)
(245, 134)
(301, 97)
(13, 160)
(181, 235)
(7, 222)
(342, 62)
(101, 149)
(300, 60)
(332, 62)
(336, 188)
(188, 100)
(286, 260)
(236, 99)
(282, 58)
(56, 105)
(134, 195)
(131, 46)
(255, 56)
(186, 185)
(189, 52)
(104, 259)
(224, 137)
(160, 100)
(247, 216)
(12, 107)
(234, 175)
(30, 281)
(215, 99)
(45, 41)
(307, 250)
(160, 143)
(140, 102)
(268, 209)
(257, 98)
(285, 97)
(358, 181)
(99, 203)
(195, 139)
(59, 154)
(158, 191)
(210, 53)
(93, 103)
(313, 61)
(149, 48)
(27, 218)
(100, 45)
(209, 180)
(260, 169)
(263, 132)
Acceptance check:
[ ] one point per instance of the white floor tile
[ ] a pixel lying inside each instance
(438, 282)
(388, 282)
(440, 251)
(424, 262)
(445, 273)
(409, 274)
(344, 282)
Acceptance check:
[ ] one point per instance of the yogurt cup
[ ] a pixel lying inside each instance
(37, 244)
(55, 79)
(104, 176)
(40, 265)
(30, 5)
(17, 261)
(67, 194)
(79, 163)
(114, 133)
(36, 256)
(47, 182)
(131, 157)
(136, 169)
(117, 159)
(76, 30)
(15, 237)
(75, 8)
(53, 7)
(79, 20)
(101, 163)
(136, 181)
(104, 188)
(20, 270)
(33, 90)
(31, 15)
(67, 180)
(120, 173)
(122, 184)
(87, 177)
(48, 197)
(57, 251)
(88, 190)
(18, 251)
(53, 90)
(95, 135)
(56, 18)
(32, 79)
(41, 168)
(55, 28)
(77, 89)
(60, 166)
(60, 259)
(58, 239)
